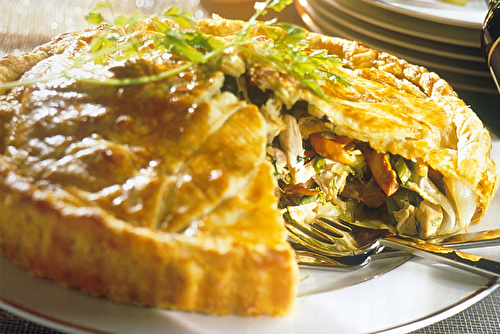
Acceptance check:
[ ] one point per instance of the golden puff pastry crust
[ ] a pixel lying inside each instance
(89, 249)
(157, 194)
(162, 192)
(70, 234)
(396, 107)
(423, 114)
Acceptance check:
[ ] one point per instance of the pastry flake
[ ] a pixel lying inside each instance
(152, 162)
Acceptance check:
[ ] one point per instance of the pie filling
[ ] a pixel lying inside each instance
(100, 145)
(152, 160)
(130, 121)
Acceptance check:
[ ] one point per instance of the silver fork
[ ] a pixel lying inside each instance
(337, 239)
(307, 258)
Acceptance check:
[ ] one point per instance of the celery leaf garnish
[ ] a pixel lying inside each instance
(285, 47)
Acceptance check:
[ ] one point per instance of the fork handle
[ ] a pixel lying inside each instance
(473, 263)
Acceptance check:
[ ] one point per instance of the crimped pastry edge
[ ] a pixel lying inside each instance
(88, 249)
(485, 181)
(474, 163)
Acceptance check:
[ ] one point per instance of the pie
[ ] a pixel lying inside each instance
(155, 162)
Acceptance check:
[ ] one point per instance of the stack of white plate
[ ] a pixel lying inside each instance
(443, 37)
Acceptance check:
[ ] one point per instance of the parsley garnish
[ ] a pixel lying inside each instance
(288, 52)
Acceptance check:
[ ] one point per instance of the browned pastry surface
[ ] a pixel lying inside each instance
(93, 178)
(162, 193)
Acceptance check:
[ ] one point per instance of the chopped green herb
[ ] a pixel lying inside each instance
(404, 173)
(94, 18)
(307, 199)
(300, 158)
(319, 164)
(183, 18)
(287, 53)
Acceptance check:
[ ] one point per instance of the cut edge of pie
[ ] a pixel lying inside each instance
(237, 258)
(214, 272)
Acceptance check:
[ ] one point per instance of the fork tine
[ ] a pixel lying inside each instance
(346, 226)
(364, 236)
(336, 225)
(309, 259)
(306, 231)
(337, 233)
(326, 231)
(313, 240)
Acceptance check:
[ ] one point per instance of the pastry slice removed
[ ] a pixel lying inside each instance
(152, 162)
(363, 135)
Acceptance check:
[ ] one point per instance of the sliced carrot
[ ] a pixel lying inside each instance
(342, 140)
(299, 189)
(382, 171)
(331, 149)
(435, 174)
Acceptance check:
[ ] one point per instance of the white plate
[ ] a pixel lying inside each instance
(376, 298)
(443, 35)
(461, 75)
(471, 15)
(413, 295)
(463, 59)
